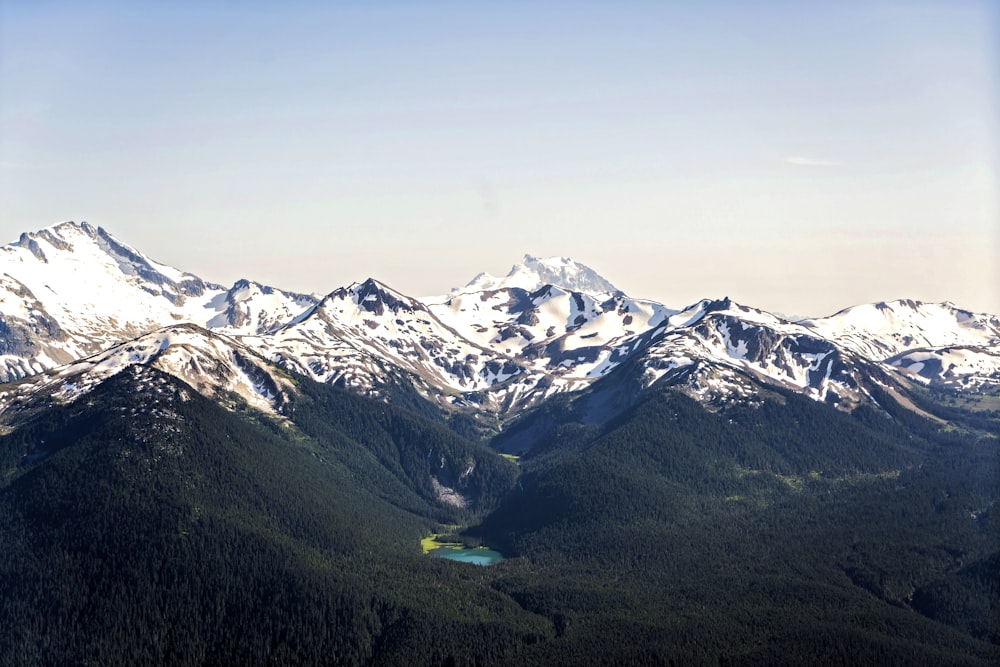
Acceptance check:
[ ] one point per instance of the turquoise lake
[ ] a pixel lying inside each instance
(474, 556)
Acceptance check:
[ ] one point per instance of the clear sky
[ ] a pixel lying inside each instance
(797, 156)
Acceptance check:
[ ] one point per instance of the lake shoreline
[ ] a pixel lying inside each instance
(459, 552)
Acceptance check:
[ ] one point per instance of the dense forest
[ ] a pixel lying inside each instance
(145, 524)
(786, 533)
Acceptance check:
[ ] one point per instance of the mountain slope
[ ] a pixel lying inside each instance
(215, 366)
(882, 330)
(361, 336)
(786, 533)
(563, 340)
(148, 525)
(73, 289)
(714, 345)
(968, 369)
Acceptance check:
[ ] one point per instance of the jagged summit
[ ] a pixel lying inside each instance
(534, 272)
(375, 297)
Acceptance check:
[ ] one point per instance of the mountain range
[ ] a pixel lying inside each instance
(489, 349)
(198, 474)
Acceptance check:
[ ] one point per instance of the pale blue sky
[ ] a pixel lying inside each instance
(797, 156)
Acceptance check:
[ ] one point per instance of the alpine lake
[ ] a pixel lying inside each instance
(456, 551)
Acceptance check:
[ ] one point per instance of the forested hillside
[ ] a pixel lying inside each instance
(787, 533)
(145, 524)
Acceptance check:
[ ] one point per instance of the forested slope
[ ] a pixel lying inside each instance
(145, 524)
(786, 533)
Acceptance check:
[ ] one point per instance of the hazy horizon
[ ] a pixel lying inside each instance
(799, 159)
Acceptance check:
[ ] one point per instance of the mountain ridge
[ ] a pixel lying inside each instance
(497, 346)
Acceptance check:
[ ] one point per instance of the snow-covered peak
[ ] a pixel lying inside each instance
(373, 297)
(254, 308)
(66, 247)
(726, 307)
(533, 272)
(369, 320)
(77, 287)
(881, 330)
(73, 289)
(83, 268)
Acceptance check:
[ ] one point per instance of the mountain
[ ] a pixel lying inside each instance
(886, 329)
(938, 344)
(388, 325)
(73, 290)
(720, 350)
(533, 273)
(821, 526)
(147, 523)
(213, 365)
(562, 339)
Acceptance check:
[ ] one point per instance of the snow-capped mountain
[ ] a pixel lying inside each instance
(73, 289)
(561, 321)
(882, 330)
(356, 333)
(74, 292)
(720, 349)
(252, 308)
(533, 273)
(491, 349)
(937, 344)
(514, 321)
(214, 365)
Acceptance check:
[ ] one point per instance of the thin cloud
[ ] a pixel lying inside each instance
(811, 162)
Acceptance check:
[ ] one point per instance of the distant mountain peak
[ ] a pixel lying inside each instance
(533, 272)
